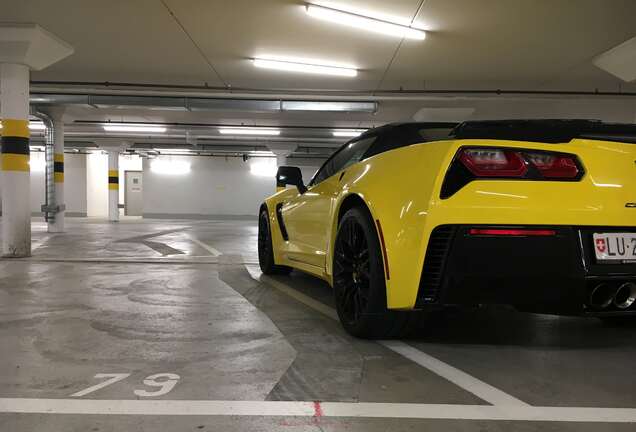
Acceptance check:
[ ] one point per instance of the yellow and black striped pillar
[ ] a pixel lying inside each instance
(113, 186)
(15, 145)
(58, 168)
(56, 224)
(14, 163)
(113, 180)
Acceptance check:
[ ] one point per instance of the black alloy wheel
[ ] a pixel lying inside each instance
(359, 281)
(351, 271)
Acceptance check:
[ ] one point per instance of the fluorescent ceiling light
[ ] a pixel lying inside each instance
(348, 133)
(173, 150)
(265, 168)
(119, 127)
(36, 126)
(248, 131)
(365, 23)
(369, 107)
(310, 68)
(260, 153)
(169, 167)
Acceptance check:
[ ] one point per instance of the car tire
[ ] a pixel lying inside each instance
(265, 248)
(359, 280)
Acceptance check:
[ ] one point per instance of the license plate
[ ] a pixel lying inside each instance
(615, 247)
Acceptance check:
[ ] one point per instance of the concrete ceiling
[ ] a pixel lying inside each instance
(471, 43)
(537, 45)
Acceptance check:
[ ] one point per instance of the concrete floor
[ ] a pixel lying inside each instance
(145, 297)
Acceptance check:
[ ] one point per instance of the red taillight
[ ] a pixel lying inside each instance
(510, 163)
(554, 165)
(494, 163)
(512, 232)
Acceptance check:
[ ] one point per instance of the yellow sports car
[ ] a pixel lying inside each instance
(539, 214)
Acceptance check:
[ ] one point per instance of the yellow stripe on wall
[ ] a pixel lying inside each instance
(15, 128)
(58, 177)
(113, 186)
(15, 162)
(113, 173)
(59, 157)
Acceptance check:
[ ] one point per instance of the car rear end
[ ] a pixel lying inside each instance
(537, 214)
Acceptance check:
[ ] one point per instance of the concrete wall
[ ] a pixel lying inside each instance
(213, 187)
(74, 183)
(97, 185)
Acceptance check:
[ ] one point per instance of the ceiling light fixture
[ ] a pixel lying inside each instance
(303, 67)
(37, 126)
(124, 127)
(335, 106)
(365, 22)
(174, 150)
(248, 131)
(348, 133)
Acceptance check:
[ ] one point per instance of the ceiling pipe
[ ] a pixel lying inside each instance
(199, 104)
(50, 207)
(142, 89)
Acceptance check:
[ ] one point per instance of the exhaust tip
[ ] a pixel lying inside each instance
(625, 296)
(602, 296)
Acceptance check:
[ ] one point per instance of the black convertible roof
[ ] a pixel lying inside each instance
(552, 131)
(546, 131)
(406, 127)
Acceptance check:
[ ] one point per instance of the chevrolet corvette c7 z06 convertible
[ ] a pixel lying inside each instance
(538, 214)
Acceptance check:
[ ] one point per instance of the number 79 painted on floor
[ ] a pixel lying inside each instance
(164, 381)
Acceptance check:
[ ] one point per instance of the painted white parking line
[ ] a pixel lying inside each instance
(208, 248)
(467, 382)
(316, 409)
(477, 387)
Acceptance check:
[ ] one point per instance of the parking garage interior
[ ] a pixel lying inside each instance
(141, 138)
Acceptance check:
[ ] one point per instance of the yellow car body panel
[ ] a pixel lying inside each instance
(401, 189)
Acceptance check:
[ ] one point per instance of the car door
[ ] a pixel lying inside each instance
(307, 216)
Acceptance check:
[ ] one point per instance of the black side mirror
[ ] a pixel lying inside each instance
(289, 175)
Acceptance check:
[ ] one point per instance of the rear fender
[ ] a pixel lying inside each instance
(398, 195)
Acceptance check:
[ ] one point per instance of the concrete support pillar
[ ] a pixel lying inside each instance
(57, 225)
(113, 186)
(281, 160)
(22, 47)
(16, 202)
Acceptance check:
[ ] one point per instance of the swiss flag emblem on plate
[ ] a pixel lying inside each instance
(601, 245)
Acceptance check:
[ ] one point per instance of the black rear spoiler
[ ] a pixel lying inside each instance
(545, 131)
